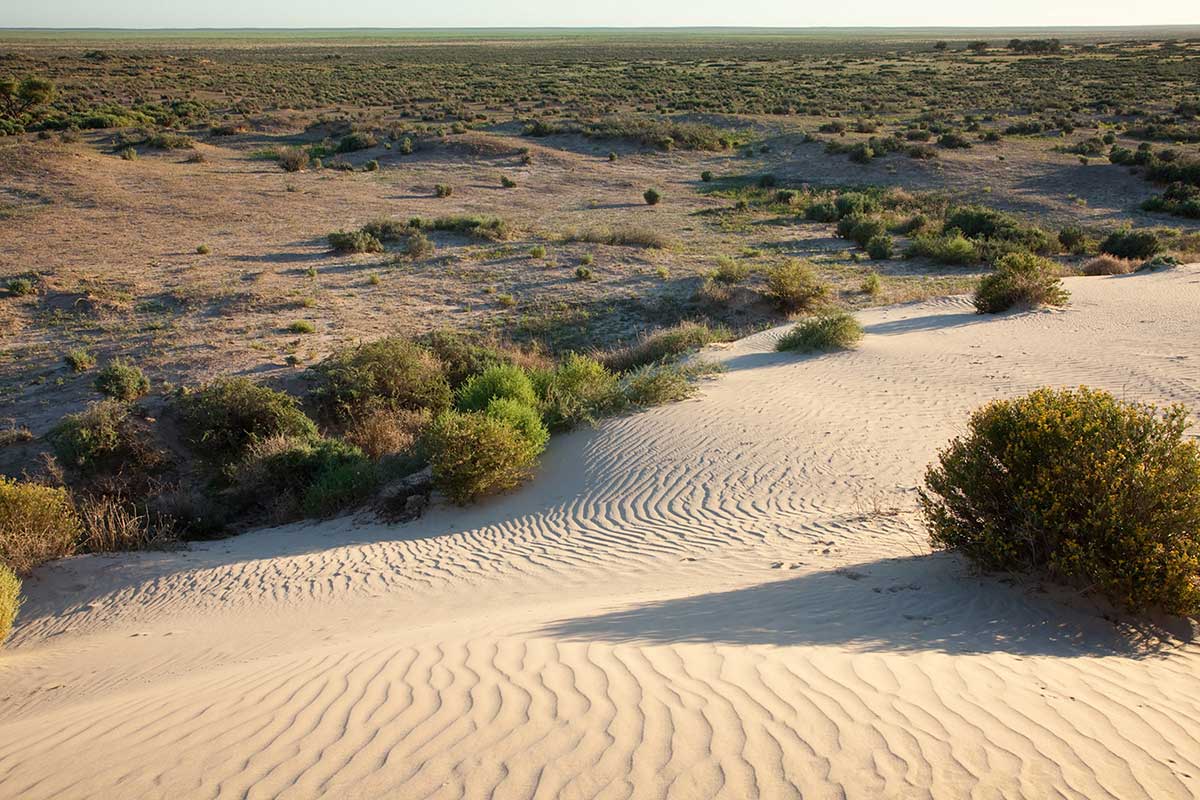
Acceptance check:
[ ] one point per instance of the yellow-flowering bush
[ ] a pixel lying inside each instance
(1097, 492)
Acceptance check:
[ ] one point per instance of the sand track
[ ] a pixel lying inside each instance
(728, 597)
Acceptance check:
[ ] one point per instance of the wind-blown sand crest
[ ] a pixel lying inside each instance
(726, 597)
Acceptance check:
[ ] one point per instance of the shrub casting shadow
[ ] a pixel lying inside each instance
(921, 603)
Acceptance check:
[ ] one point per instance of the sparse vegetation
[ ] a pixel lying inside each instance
(1020, 279)
(836, 330)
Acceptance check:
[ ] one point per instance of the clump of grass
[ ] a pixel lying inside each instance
(443, 190)
(122, 380)
(622, 235)
(1108, 265)
(507, 182)
(537, 251)
(794, 285)
(655, 384)
(872, 284)
(730, 272)
(293, 159)
(1093, 491)
(837, 330)
(662, 345)
(354, 242)
(79, 360)
(583, 274)
(37, 524)
(879, 247)
(490, 228)
(1020, 279)
(576, 392)
(203, 250)
(10, 600)
(954, 249)
(20, 287)
(301, 326)
(652, 196)
(418, 246)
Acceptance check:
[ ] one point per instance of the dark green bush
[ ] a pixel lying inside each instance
(339, 487)
(389, 374)
(838, 330)
(879, 247)
(652, 196)
(223, 418)
(121, 380)
(1020, 279)
(1096, 492)
(358, 140)
(19, 287)
(473, 455)
(102, 438)
(496, 381)
(1131, 244)
(655, 384)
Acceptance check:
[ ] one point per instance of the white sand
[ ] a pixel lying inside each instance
(727, 597)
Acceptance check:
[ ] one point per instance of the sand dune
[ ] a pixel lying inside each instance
(727, 597)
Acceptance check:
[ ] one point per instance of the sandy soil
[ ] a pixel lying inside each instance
(727, 597)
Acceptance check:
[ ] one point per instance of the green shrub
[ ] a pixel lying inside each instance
(1072, 238)
(794, 285)
(655, 384)
(652, 196)
(955, 249)
(473, 455)
(879, 247)
(525, 419)
(355, 141)
(872, 284)
(661, 345)
(301, 326)
(354, 242)
(583, 274)
(1131, 244)
(19, 287)
(95, 438)
(1097, 492)
(79, 360)
(730, 272)
(339, 487)
(576, 392)
(507, 182)
(838, 330)
(221, 419)
(387, 230)
(121, 380)
(443, 190)
(706, 176)
(1020, 279)
(537, 251)
(418, 246)
(10, 600)
(498, 380)
(389, 374)
(37, 524)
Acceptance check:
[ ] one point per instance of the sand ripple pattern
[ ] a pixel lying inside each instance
(727, 597)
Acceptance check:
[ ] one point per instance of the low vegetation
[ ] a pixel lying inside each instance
(837, 330)
(1020, 280)
(1087, 489)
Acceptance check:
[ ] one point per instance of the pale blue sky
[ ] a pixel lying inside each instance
(499, 13)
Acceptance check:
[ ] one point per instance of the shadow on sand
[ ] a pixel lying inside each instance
(920, 603)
